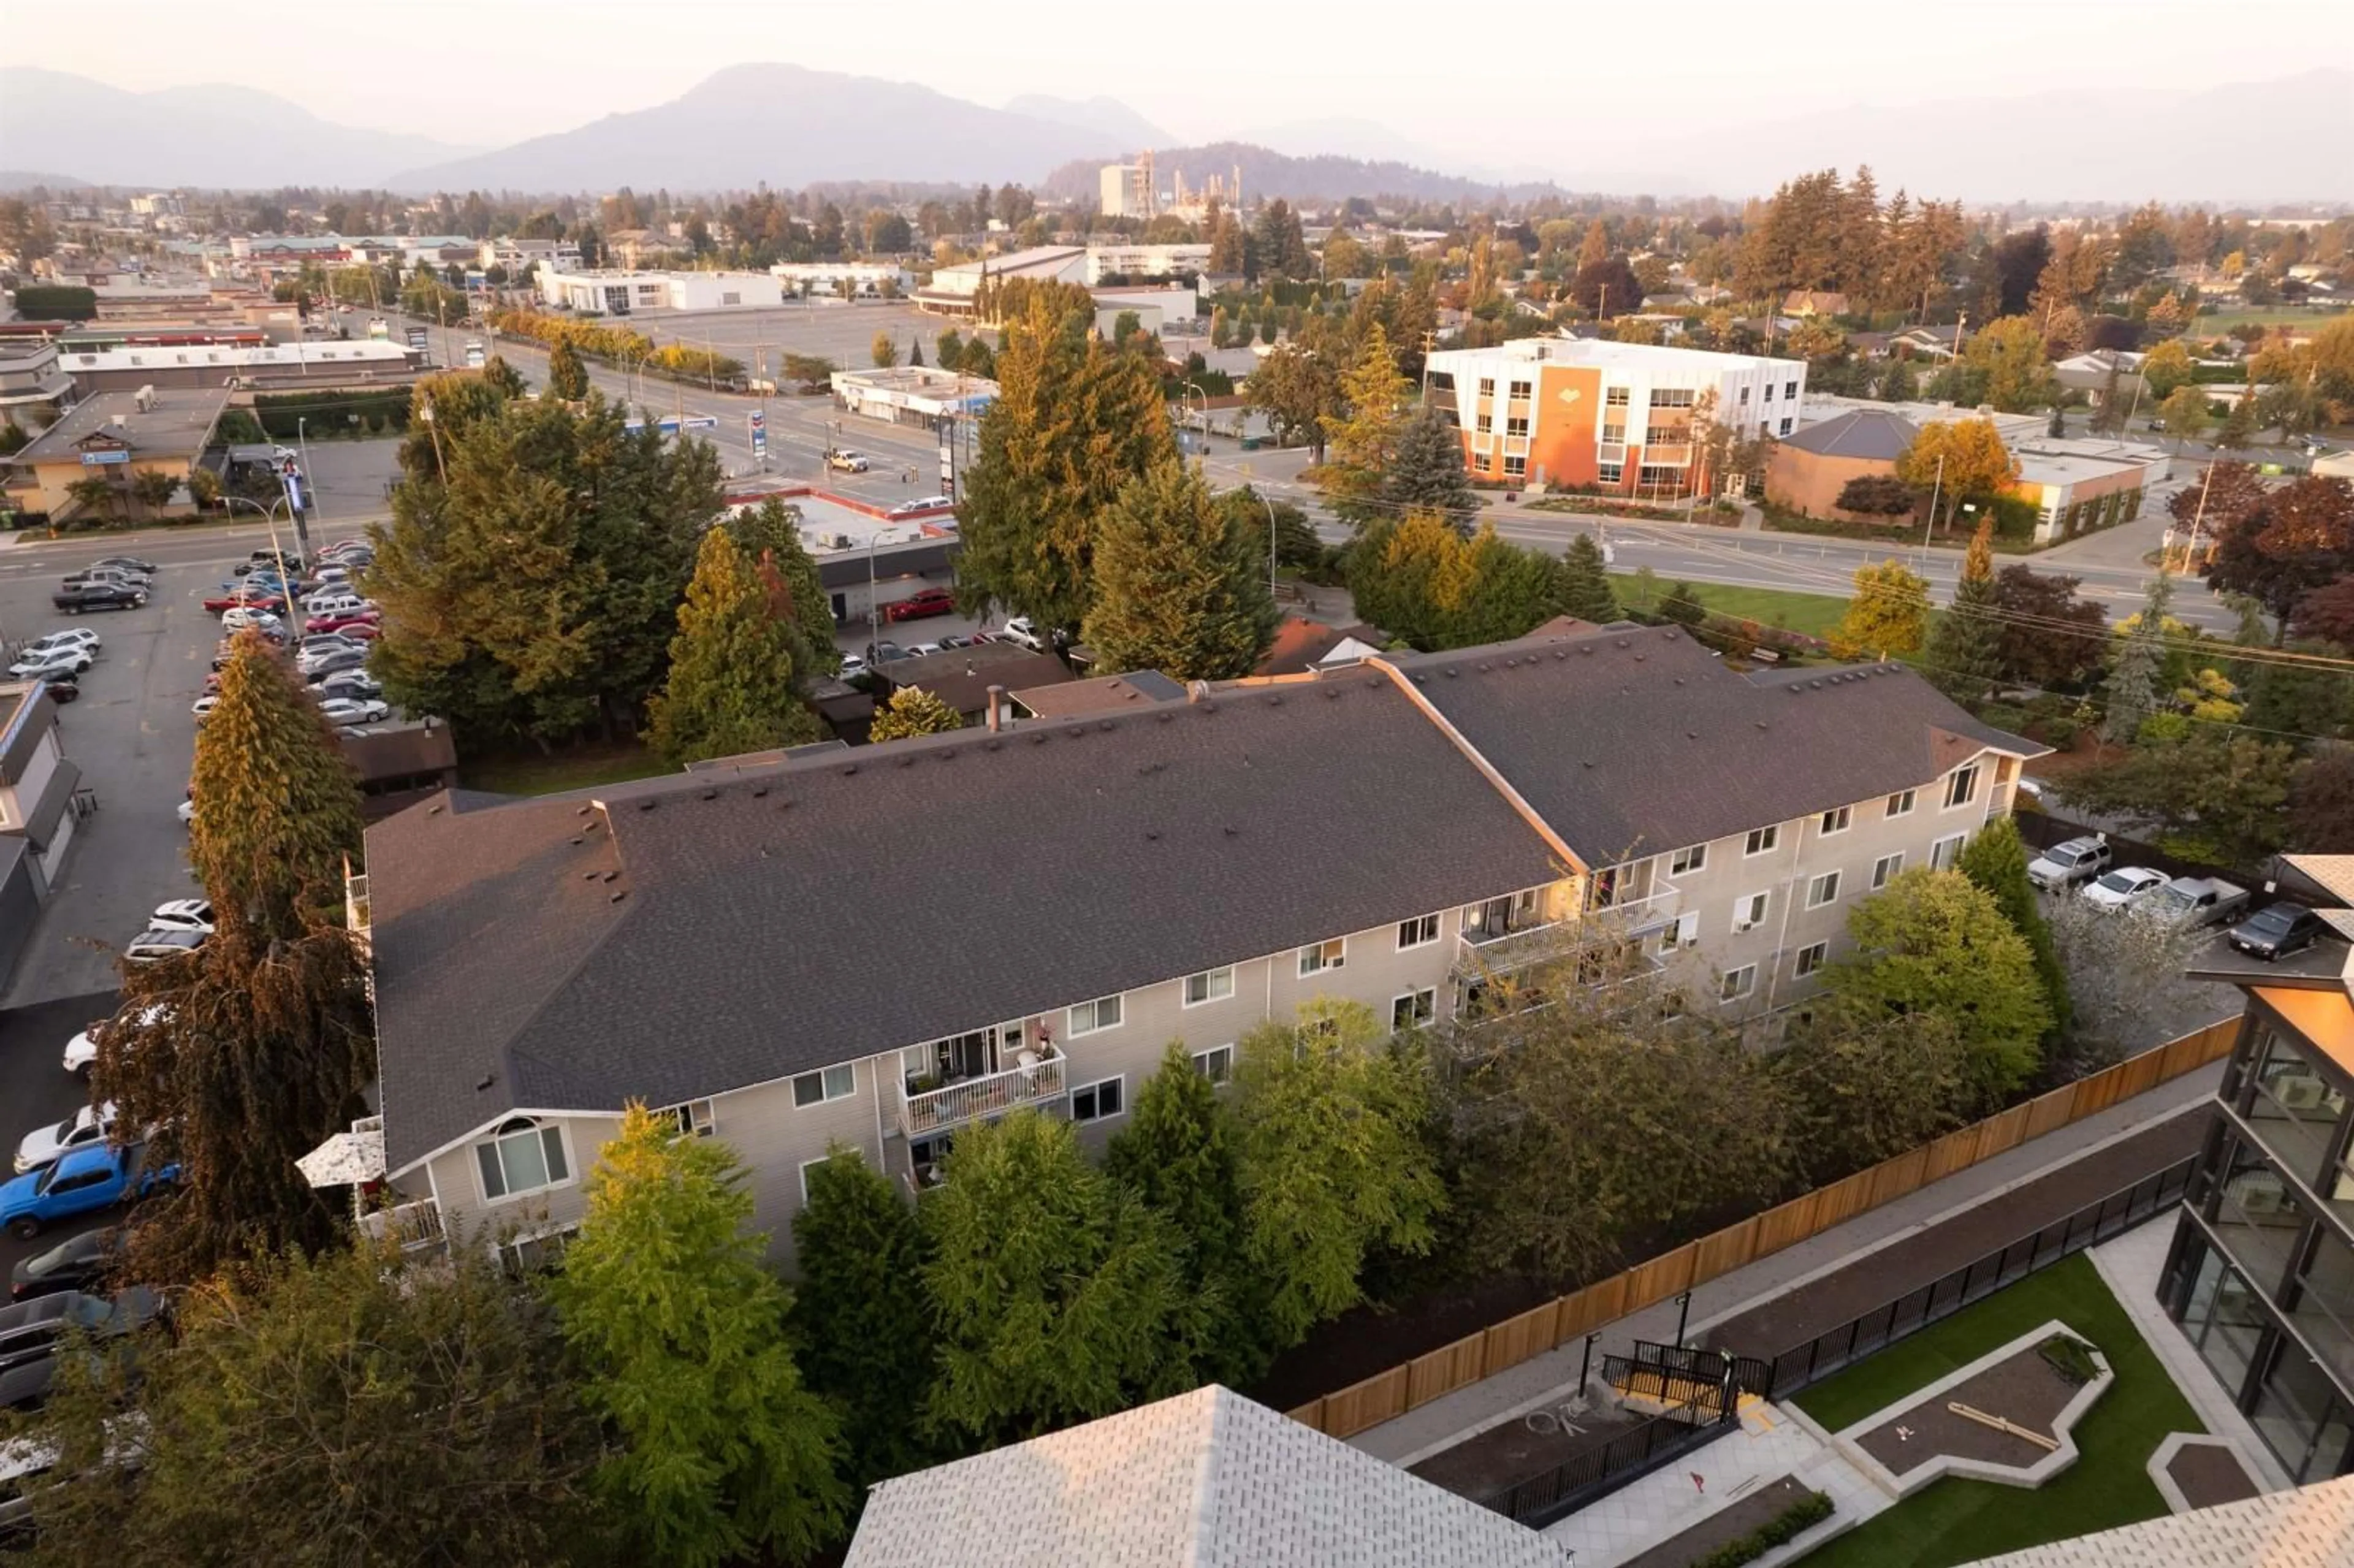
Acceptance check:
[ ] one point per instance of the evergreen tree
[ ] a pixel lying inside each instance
(1181, 585)
(769, 535)
(1057, 1294)
(278, 809)
(883, 351)
(1364, 437)
(912, 711)
(950, 354)
(1585, 589)
(916, 353)
(2134, 689)
(864, 1342)
(733, 687)
(1965, 653)
(1178, 1154)
(1426, 470)
(1332, 1161)
(567, 377)
(1997, 861)
(678, 1328)
(1072, 423)
(327, 1409)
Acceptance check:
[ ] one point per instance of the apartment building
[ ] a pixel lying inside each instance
(2260, 1274)
(1585, 412)
(880, 948)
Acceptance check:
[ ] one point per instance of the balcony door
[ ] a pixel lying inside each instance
(1498, 916)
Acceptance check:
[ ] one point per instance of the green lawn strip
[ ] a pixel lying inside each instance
(529, 775)
(1813, 613)
(1956, 1521)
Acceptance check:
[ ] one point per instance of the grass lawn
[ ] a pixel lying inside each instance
(1958, 1520)
(2223, 320)
(1812, 613)
(526, 774)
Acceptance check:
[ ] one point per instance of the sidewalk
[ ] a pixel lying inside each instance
(1745, 1293)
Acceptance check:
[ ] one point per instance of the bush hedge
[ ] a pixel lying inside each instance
(1804, 1514)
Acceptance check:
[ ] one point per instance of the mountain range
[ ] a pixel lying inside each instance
(788, 126)
(216, 135)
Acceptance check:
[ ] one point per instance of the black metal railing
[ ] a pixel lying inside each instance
(1701, 1388)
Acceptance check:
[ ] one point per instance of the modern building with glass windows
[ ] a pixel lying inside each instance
(2261, 1272)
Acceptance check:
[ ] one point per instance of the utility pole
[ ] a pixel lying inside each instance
(1937, 485)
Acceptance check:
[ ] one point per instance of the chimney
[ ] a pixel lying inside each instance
(996, 707)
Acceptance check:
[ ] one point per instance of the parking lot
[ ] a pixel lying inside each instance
(836, 330)
(36, 1090)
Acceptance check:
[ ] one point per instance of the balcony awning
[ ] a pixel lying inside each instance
(345, 1159)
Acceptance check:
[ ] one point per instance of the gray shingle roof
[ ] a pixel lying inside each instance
(1207, 1480)
(1863, 433)
(1635, 743)
(781, 917)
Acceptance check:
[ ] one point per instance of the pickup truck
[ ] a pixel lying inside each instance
(2189, 902)
(79, 596)
(96, 1178)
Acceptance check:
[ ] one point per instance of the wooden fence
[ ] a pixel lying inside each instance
(1391, 1394)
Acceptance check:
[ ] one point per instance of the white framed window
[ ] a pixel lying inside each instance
(694, 1119)
(1761, 841)
(1210, 985)
(1217, 1064)
(529, 1252)
(1317, 957)
(1961, 786)
(1515, 465)
(1520, 389)
(1486, 387)
(1823, 890)
(808, 1165)
(832, 1083)
(1884, 869)
(1945, 851)
(1100, 1100)
(1688, 860)
(1811, 958)
(1786, 427)
(522, 1156)
(1835, 820)
(1684, 933)
(1419, 932)
(1413, 1010)
(1749, 910)
(1900, 803)
(1737, 984)
(1610, 473)
(1092, 1017)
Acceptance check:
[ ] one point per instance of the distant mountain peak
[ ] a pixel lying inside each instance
(1131, 131)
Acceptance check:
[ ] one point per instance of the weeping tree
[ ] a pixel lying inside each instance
(249, 1052)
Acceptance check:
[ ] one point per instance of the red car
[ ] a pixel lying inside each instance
(234, 598)
(922, 603)
(359, 623)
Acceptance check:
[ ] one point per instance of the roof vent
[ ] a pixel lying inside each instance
(1691, 735)
(1560, 653)
(1274, 700)
(1451, 671)
(1163, 716)
(576, 842)
(584, 811)
(1231, 830)
(609, 876)
(1586, 647)
(1815, 685)
(484, 1081)
(1512, 663)
(1680, 680)
(1639, 658)
(991, 744)
(907, 762)
(1485, 668)
(1105, 725)
(1618, 642)
(1037, 738)
(850, 771)
(619, 893)
(590, 875)
(434, 810)
(1152, 834)
(711, 794)
(760, 791)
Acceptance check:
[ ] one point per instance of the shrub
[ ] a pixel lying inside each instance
(2070, 1356)
(2005, 717)
(2059, 734)
(1802, 1515)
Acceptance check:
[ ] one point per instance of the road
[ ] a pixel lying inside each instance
(801, 430)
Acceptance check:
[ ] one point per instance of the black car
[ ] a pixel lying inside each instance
(30, 1330)
(2276, 931)
(61, 686)
(128, 564)
(79, 596)
(72, 1264)
(334, 663)
(261, 558)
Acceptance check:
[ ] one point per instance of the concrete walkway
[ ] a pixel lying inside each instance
(1552, 1378)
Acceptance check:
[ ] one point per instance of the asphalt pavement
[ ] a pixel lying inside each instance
(37, 1091)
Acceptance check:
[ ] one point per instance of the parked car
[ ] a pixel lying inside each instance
(239, 617)
(81, 1050)
(883, 652)
(47, 1144)
(203, 706)
(128, 564)
(357, 684)
(69, 636)
(2122, 886)
(923, 601)
(846, 461)
(1019, 630)
(853, 666)
(87, 1180)
(61, 687)
(158, 943)
(2276, 931)
(183, 915)
(51, 661)
(359, 623)
(29, 1331)
(352, 710)
(923, 505)
(269, 560)
(2189, 902)
(923, 649)
(316, 667)
(109, 574)
(98, 596)
(2063, 864)
(74, 1263)
(951, 640)
(239, 598)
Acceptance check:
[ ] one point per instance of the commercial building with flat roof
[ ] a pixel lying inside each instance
(117, 435)
(915, 394)
(616, 293)
(1586, 413)
(953, 290)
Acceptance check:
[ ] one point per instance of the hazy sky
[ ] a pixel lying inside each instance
(1510, 82)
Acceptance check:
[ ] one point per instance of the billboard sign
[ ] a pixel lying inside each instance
(100, 460)
(756, 422)
(291, 477)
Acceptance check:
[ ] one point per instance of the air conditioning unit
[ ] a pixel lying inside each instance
(2300, 1093)
(2258, 1194)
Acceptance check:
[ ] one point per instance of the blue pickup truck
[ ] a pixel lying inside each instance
(98, 1177)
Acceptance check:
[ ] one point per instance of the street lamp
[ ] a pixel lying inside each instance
(1195, 387)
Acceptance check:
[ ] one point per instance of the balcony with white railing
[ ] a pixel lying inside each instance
(1481, 952)
(1644, 912)
(414, 1227)
(1028, 1083)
